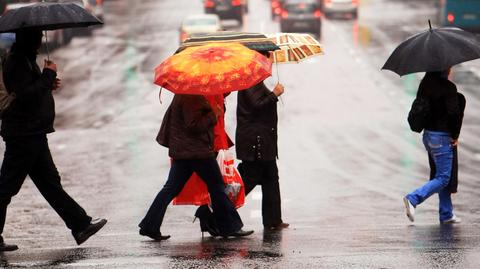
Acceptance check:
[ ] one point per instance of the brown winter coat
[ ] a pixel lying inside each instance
(187, 128)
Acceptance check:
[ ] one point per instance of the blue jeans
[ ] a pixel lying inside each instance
(440, 149)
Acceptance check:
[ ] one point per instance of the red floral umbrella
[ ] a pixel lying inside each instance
(213, 69)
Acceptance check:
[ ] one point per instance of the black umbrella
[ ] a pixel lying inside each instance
(254, 41)
(433, 50)
(47, 16)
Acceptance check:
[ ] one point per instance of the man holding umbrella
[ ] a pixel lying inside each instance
(30, 116)
(25, 125)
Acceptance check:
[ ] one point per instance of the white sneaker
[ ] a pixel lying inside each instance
(409, 209)
(454, 219)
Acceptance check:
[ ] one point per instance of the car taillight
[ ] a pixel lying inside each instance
(450, 18)
(284, 14)
(277, 11)
(275, 4)
(183, 36)
(317, 13)
(236, 3)
(209, 3)
(355, 2)
(99, 2)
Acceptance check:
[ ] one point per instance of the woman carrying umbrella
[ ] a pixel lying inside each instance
(440, 138)
(435, 51)
(188, 125)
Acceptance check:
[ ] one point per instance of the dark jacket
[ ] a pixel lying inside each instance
(187, 128)
(256, 134)
(33, 110)
(446, 113)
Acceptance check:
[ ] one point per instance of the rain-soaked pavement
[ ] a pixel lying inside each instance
(346, 153)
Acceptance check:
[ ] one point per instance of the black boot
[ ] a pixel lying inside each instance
(207, 222)
(6, 247)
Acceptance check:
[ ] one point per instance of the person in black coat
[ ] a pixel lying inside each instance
(25, 125)
(187, 132)
(440, 138)
(256, 147)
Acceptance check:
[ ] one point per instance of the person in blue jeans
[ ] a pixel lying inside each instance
(440, 138)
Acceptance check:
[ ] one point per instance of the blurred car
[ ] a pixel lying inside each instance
(95, 7)
(276, 8)
(463, 14)
(226, 9)
(301, 16)
(332, 7)
(203, 23)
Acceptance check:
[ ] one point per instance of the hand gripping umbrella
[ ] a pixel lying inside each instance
(433, 50)
(47, 16)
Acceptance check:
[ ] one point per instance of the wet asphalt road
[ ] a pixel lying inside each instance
(346, 153)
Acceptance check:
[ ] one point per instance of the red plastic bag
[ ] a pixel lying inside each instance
(195, 192)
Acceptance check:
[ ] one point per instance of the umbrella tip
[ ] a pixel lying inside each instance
(430, 25)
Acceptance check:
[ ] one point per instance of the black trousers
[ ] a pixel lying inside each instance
(31, 156)
(264, 173)
(224, 212)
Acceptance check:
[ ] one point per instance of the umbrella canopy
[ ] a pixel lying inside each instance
(215, 68)
(254, 41)
(47, 16)
(433, 50)
(294, 47)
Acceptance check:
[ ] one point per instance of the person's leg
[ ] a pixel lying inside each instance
(271, 201)
(445, 205)
(18, 158)
(251, 175)
(45, 176)
(226, 216)
(440, 149)
(180, 172)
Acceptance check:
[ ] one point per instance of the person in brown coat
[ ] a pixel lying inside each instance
(187, 131)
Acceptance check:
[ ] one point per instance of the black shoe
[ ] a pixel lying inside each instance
(92, 228)
(155, 236)
(280, 226)
(7, 247)
(241, 233)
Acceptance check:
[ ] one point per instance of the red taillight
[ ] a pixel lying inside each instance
(183, 36)
(450, 18)
(355, 2)
(99, 2)
(317, 13)
(284, 14)
(209, 3)
(275, 4)
(277, 11)
(236, 3)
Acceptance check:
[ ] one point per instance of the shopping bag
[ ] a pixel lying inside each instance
(195, 192)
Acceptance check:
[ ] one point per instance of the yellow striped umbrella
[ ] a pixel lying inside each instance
(294, 47)
(214, 68)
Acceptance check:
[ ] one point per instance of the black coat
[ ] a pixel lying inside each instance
(33, 110)
(187, 128)
(256, 134)
(446, 113)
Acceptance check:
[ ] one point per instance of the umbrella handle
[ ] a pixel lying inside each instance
(278, 81)
(46, 46)
(160, 95)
